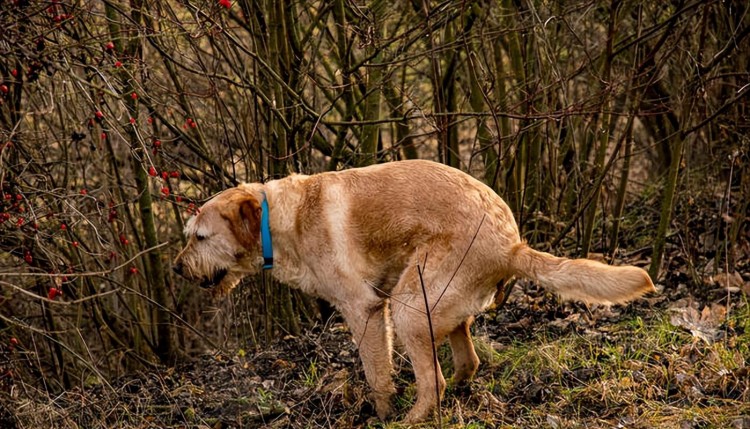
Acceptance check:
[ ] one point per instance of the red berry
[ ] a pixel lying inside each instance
(109, 46)
(54, 293)
(13, 341)
(14, 72)
(4, 89)
(133, 270)
(164, 175)
(225, 3)
(152, 171)
(104, 136)
(27, 257)
(150, 120)
(20, 221)
(19, 197)
(132, 120)
(84, 192)
(165, 191)
(124, 240)
(157, 143)
(134, 96)
(118, 63)
(99, 114)
(63, 226)
(75, 244)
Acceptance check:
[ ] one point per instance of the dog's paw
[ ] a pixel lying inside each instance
(383, 406)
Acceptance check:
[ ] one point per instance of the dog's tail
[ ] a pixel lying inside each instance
(580, 279)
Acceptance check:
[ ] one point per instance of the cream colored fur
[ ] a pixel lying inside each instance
(356, 238)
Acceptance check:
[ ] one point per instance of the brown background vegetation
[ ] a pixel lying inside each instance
(605, 126)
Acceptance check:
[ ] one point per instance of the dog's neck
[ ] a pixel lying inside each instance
(265, 234)
(285, 193)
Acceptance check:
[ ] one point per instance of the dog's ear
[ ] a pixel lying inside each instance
(243, 214)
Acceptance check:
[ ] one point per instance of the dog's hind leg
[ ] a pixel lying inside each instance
(413, 330)
(465, 360)
(453, 297)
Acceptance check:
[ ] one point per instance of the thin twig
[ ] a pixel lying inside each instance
(723, 218)
(471, 243)
(434, 348)
(57, 302)
(88, 273)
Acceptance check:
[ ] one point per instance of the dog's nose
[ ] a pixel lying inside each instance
(177, 268)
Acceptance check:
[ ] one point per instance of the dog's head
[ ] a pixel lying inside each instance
(223, 241)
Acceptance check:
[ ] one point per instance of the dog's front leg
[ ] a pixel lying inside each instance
(371, 332)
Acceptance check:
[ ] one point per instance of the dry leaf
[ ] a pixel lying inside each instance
(727, 280)
(704, 324)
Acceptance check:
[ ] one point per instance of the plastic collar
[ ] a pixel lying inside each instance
(265, 235)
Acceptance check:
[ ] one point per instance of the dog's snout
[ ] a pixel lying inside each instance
(177, 268)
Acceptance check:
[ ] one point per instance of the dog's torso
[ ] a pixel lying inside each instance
(360, 229)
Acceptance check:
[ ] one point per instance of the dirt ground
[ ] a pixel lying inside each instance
(664, 361)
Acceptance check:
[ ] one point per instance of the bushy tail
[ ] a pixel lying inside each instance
(580, 279)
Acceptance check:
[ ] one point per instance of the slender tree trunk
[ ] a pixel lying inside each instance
(600, 130)
(374, 89)
(154, 268)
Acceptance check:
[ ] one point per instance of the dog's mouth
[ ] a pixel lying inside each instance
(215, 279)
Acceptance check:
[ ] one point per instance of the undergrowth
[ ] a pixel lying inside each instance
(544, 365)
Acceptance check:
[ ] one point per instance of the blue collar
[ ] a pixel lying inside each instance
(265, 235)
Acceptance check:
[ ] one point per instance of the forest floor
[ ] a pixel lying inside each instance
(673, 360)
(679, 359)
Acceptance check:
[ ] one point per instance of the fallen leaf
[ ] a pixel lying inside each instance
(554, 421)
(702, 324)
(727, 280)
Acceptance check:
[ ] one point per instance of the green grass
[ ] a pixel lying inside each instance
(645, 373)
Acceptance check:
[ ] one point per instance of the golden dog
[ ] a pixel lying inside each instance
(368, 240)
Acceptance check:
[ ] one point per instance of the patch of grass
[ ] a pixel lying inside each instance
(311, 374)
(637, 373)
(739, 319)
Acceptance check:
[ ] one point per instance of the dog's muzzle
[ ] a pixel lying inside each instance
(177, 268)
(207, 282)
(215, 279)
